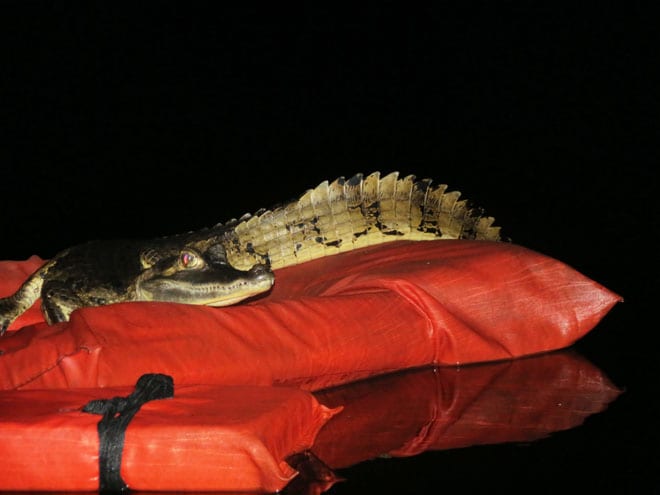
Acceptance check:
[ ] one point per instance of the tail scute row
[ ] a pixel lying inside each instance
(344, 215)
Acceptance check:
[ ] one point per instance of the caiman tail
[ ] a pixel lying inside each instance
(349, 214)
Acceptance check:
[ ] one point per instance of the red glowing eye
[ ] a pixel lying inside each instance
(187, 259)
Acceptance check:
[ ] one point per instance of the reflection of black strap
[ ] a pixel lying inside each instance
(117, 413)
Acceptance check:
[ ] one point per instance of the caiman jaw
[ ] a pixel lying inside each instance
(216, 287)
(244, 288)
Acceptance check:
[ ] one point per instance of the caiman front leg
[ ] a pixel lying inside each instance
(58, 301)
(8, 313)
(11, 307)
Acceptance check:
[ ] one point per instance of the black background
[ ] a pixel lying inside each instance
(148, 118)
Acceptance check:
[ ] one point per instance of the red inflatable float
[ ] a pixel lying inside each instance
(327, 322)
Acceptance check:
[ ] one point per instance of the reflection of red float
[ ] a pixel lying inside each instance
(408, 413)
(327, 322)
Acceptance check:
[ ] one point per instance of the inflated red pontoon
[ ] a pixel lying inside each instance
(242, 375)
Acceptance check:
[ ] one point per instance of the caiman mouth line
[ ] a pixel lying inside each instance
(208, 294)
(216, 288)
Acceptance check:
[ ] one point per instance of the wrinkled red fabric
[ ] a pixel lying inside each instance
(205, 438)
(407, 413)
(329, 321)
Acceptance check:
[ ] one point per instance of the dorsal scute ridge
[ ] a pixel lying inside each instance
(348, 214)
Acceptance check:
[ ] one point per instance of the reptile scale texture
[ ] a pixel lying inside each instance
(229, 262)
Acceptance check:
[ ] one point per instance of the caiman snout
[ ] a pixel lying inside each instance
(215, 284)
(261, 277)
(260, 271)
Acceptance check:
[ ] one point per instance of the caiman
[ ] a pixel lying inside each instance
(224, 264)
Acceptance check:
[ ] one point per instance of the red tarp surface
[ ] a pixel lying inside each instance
(205, 438)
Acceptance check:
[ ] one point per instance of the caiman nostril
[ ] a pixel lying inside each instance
(261, 273)
(259, 269)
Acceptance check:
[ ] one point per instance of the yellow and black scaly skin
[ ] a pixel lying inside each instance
(184, 268)
(227, 263)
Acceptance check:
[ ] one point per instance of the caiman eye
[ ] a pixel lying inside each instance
(190, 260)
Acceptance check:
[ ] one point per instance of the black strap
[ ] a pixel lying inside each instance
(117, 413)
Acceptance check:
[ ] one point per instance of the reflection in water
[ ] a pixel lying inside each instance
(407, 413)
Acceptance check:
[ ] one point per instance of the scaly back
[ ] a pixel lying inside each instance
(349, 214)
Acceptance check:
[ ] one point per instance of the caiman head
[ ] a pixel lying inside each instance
(198, 273)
